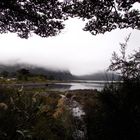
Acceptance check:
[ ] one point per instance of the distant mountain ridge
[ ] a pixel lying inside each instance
(100, 76)
(55, 74)
(58, 74)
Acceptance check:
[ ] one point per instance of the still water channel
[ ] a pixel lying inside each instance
(78, 84)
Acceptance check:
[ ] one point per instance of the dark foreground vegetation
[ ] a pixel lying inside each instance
(27, 115)
(112, 114)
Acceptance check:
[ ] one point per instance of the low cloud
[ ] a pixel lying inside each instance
(73, 49)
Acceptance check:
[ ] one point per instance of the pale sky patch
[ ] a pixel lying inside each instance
(73, 49)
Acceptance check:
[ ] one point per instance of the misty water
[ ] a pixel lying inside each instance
(78, 84)
(66, 86)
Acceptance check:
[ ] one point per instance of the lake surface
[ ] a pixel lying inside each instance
(78, 84)
(65, 86)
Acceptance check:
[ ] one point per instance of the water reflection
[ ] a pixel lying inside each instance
(79, 85)
(73, 85)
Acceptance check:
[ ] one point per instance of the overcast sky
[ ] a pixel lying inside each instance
(73, 49)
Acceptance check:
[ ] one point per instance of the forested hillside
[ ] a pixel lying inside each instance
(11, 71)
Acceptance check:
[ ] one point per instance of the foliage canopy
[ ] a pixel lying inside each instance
(105, 15)
(45, 17)
(30, 16)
